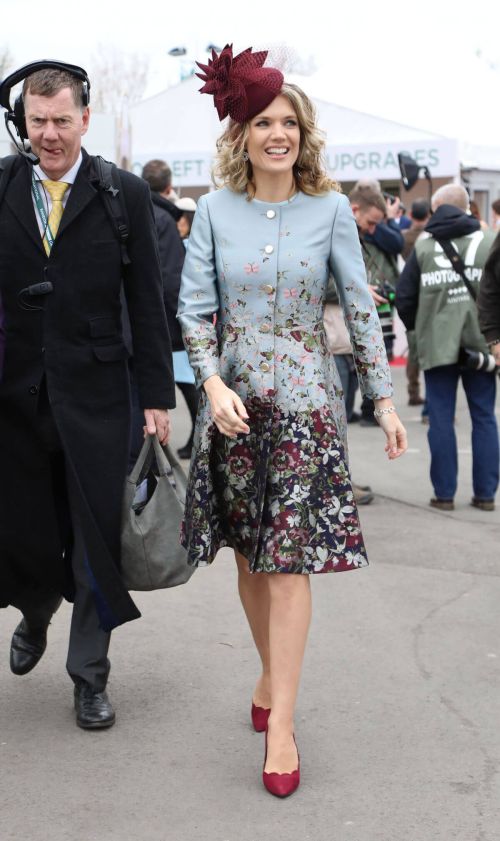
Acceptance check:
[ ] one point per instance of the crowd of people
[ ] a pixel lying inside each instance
(267, 304)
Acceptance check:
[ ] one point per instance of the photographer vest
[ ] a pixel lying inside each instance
(447, 316)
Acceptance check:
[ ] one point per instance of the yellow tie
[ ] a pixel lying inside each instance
(56, 191)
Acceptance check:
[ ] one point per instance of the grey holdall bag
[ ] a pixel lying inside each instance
(152, 556)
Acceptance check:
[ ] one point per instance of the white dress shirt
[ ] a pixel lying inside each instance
(68, 177)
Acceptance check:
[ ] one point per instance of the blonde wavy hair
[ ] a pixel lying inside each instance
(309, 171)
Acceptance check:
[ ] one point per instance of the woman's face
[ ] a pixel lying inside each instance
(183, 227)
(274, 138)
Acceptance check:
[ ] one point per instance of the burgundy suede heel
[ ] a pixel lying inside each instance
(260, 717)
(281, 785)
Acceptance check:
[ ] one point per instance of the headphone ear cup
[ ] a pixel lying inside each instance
(85, 94)
(20, 118)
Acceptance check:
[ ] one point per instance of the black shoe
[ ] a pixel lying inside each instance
(362, 496)
(442, 504)
(483, 504)
(93, 709)
(26, 648)
(355, 418)
(185, 452)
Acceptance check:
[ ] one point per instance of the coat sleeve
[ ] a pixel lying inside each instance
(346, 263)
(143, 292)
(407, 292)
(388, 237)
(172, 253)
(488, 301)
(199, 297)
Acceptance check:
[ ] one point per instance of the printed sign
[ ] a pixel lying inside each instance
(380, 160)
(345, 163)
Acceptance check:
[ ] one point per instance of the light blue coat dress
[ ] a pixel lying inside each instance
(251, 309)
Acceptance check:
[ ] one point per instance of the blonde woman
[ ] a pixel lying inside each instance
(269, 474)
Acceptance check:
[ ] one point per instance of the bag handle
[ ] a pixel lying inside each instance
(167, 464)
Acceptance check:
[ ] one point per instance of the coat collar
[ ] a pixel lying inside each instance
(18, 197)
(20, 201)
(82, 192)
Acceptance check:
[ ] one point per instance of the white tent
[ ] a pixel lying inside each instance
(181, 126)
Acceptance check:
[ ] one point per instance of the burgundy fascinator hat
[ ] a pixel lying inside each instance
(240, 85)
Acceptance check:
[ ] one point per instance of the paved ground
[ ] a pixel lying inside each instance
(398, 720)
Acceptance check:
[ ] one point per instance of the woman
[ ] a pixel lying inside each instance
(184, 222)
(269, 475)
(183, 373)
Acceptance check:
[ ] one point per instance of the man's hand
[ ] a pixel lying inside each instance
(157, 422)
(392, 211)
(495, 349)
(378, 299)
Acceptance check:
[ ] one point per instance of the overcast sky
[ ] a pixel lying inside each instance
(412, 62)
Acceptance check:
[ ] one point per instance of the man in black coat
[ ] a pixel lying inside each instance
(64, 390)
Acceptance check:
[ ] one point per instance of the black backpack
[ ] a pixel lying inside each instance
(109, 189)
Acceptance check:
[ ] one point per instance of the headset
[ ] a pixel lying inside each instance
(16, 114)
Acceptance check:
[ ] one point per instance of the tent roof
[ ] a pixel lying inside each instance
(179, 118)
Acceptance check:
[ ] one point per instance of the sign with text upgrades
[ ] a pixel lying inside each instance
(345, 163)
(380, 160)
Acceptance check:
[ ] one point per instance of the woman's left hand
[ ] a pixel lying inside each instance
(395, 433)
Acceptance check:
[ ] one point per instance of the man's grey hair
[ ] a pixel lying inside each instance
(453, 194)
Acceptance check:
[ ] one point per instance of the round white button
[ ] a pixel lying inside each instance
(269, 249)
(271, 214)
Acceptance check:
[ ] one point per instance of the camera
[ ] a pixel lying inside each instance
(474, 360)
(387, 291)
(389, 197)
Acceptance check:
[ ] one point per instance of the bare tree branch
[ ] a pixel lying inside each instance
(116, 77)
(6, 61)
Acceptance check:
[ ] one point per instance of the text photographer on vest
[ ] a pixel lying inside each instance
(64, 389)
(433, 299)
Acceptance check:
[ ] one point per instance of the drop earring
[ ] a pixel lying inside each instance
(245, 155)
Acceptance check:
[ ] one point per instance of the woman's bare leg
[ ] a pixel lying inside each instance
(289, 620)
(254, 595)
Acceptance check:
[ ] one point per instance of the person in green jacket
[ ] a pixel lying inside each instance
(433, 300)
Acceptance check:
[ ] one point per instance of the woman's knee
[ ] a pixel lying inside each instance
(288, 586)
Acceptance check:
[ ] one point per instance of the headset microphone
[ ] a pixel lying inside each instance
(30, 156)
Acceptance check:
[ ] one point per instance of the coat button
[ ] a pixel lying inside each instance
(33, 389)
(265, 367)
(269, 289)
(271, 214)
(269, 249)
(265, 328)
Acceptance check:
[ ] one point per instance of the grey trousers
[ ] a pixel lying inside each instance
(88, 643)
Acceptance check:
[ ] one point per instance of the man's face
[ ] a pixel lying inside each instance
(55, 127)
(367, 218)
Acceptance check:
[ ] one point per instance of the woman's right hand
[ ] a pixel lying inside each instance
(228, 411)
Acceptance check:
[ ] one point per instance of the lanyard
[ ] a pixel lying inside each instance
(41, 211)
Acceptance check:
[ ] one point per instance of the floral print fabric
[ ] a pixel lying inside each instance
(281, 495)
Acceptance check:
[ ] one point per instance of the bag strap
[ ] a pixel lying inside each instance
(166, 462)
(457, 263)
(110, 187)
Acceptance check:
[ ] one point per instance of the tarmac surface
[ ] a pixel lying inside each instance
(398, 715)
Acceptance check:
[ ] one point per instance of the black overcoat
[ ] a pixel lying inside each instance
(74, 345)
